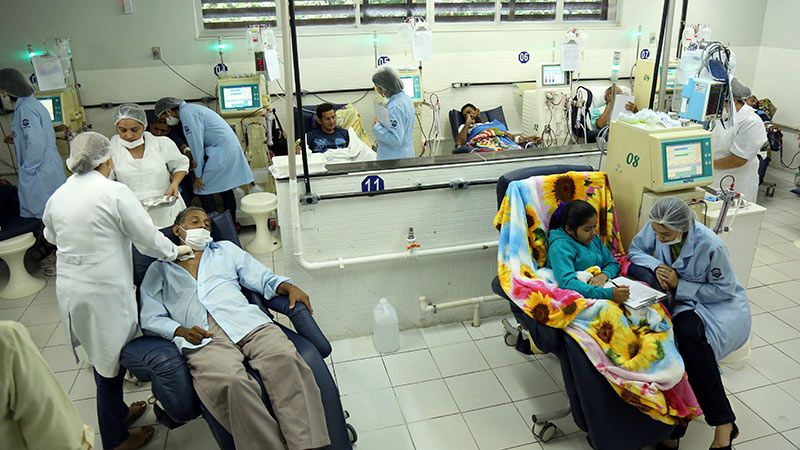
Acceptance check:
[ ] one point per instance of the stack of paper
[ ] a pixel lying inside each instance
(641, 294)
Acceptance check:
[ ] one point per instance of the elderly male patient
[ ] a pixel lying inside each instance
(197, 303)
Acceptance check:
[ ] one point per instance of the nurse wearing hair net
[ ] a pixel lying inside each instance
(736, 146)
(710, 311)
(41, 170)
(396, 140)
(93, 221)
(221, 164)
(152, 166)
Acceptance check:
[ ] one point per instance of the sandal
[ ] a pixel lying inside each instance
(137, 438)
(133, 415)
(734, 435)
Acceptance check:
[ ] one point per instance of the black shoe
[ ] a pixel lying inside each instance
(734, 435)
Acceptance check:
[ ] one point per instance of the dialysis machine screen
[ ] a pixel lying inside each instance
(552, 75)
(240, 97)
(53, 107)
(683, 161)
(48, 105)
(411, 86)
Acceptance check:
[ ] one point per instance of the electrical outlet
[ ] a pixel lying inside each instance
(156, 52)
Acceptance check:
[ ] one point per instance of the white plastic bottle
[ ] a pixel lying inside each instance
(386, 329)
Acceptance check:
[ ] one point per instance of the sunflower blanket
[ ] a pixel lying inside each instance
(634, 350)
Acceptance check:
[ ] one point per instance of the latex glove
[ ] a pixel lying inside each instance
(185, 252)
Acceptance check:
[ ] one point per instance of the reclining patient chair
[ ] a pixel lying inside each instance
(152, 358)
(610, 423)
(456, 120)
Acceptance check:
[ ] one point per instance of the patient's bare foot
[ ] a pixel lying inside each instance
(135, 410)
(137, 438)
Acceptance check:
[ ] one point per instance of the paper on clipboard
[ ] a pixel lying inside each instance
(619, 105)
(49, 74)
(382, 114)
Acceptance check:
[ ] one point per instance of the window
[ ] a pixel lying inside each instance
(390, 11)
(527, 10)
(307, 12)
(586, 10)
(464, 10)
(240, 14)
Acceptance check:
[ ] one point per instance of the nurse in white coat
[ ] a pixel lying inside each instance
(736, 146)
(151, 166)
(93, 221)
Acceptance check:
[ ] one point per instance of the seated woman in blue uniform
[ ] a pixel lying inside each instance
(710, 311)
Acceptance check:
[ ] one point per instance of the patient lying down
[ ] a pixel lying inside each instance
(198, 304)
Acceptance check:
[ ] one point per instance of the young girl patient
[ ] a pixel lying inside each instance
(574, 247)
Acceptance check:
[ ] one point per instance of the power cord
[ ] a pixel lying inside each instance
(185, 79)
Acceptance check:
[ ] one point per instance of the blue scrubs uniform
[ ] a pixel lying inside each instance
(707, 284)
(397, 141)
(41, 169)
(216, 150)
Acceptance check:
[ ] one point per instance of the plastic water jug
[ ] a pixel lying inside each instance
(386, 330)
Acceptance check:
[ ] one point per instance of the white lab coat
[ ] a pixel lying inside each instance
(744, 140)
(93, 220)
(148, 177)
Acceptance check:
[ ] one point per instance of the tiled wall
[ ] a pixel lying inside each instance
(343, 299)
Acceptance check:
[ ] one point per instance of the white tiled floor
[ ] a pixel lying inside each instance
(458, 387)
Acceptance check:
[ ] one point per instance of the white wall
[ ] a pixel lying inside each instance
(112, 51)
(779, 61)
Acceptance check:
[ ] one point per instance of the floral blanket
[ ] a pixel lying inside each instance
(634, 350)
(491, 137)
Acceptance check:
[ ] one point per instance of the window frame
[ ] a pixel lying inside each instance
(614, 8)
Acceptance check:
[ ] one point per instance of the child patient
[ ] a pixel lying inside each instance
(574, 249)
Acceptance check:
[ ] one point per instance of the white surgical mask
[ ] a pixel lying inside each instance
(132, 144)
(674, 241)
(172, 121)
(197, 238)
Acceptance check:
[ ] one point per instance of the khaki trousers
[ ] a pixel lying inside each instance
(234, 397)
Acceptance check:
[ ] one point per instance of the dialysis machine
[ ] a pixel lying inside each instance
(656, 161)
(543, 110)
(643, 79)
(244, 104)
(647, 163)
(66, 114)
(412, 85)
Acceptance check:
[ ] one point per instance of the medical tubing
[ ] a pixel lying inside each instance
(298, 96)
(658, 52)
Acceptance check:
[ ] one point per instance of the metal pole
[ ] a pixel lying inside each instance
(684, 7)
(298, 96)
(288, 77)
(658, 53)
(662, 78)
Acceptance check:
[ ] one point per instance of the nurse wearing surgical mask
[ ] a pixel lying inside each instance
(41, 170)
(152, 166)
(93, 221)
(736, 146)
(221, 164)
(395, 139)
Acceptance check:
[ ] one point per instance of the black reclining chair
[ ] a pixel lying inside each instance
(610, 423)
(456, 120)
(152, 358)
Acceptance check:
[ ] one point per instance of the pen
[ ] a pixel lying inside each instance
(612, 282)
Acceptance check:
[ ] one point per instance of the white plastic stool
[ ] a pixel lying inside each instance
(738, 356)
(20, 282)
(260, 205)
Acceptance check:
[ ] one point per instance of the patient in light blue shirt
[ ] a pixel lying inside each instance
(198, 305)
